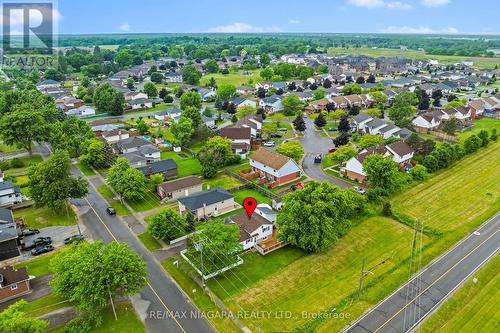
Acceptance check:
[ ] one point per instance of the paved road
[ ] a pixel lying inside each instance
(403, 310)
(162, 296)
(314, 144)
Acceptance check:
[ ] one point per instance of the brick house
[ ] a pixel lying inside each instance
(274, 168)
(13, 282)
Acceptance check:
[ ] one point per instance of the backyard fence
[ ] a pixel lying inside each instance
(254, 186)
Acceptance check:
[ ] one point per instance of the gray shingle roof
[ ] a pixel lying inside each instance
(159, 167)
(197, 200)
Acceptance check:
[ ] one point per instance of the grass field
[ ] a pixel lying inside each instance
(38, 266)
(149, 201)
(187, 165)
(472, 308)
(44, 217)
(479, 62)
(236, 79)
(120, 209)
(45, 305)
(149, 241)
(5, 148)
(240, 195)
(27, 162)
(487, 124)
(221, 180)
(86, 170)
(105, 191)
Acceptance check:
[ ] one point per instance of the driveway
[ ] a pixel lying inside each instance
(314, 144)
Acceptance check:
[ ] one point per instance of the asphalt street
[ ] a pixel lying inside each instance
(162, 305)
(405, 309)
(314, 144)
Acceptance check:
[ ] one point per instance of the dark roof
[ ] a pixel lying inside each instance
(6, 216)
(10, 275)
(360, 117)
(237, 100)
(181, 183)
(159, 167)
(236, 133)
(6, 184)
(378, 149)
(131, 142)
(209, 197)
(400, 148)
(248, 225)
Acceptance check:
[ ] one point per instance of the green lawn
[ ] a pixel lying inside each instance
(221, 180)
(45, 305)
(27, 162)
(149, 241)
(21, 181)
(202, 300)
(44, 217)
(187, 165)
(244, 165)
(38, 266)
(86, 170)
(5, 148)
(148, 202)
(472, 308)
(120, 209)
(240, 195)
(105, 191)
(481, 124)
(236, 79)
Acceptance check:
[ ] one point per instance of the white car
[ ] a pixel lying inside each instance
(359, 190)
(269, 144)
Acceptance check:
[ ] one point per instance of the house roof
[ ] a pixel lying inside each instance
(46, 82)
(131, 142)
(6, 216)
(271, 99)
(360, 117)
(159, 167)
(270, 158)
(376, 122)
(236, 133)
(181, 183)
(378, 149)
(9, 275)
(209, 197)
(400, 148)
(237, 100)
(250, 120)
(6, 184)
(248, 225)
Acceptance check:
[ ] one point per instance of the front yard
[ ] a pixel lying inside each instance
(38, 218)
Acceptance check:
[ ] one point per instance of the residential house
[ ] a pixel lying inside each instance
(10, 194)
(460, 113)
(427, 121)
(240, 139)
(476, 108)
(133, 95)
(140, 103)
(271, 104)
(253, 229)
(182, 187)
(13, 282)
(318, 106)
(174, 77)
(83, 111)
(113, 135)
(273, 168)
(208, 121)
(239, 102)
(137, 151)
(167, 168)
(208, 203)
(172, 113)
(48, 84)
(9, 235)
(245, 90)
(252, 121)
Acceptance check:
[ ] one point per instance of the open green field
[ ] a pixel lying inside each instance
(236, 79)
(473, 307)
(240, 195)
(38, 266)
(479, 62)
(44, 217)
(187, 165)
(487, 124)
(302, 283)
(45, 305)
(149, 201)
(221, 180)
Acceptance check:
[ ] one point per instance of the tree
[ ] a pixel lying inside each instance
(299, 124)
(343, 154)
(379, 98)
(292, 149)
(436, 96)
(128, 182)
(90, 274)
(382, 173)
(423, 100)
(342, 139)
(472, 143)
(403, 108)
(261, 92)
(218, 244)
(319, 94)
(156, 77)
(327, 84)
(314, 217)
(344, 125)
(108, 100)
(215, 153)
(95, 154)
(194, 114)
(371, 79)
(211, 66)
(141, 126)
(69, 135)
(352, 89)
(182, 130)
(245, 110)
(450, 126)
(190, 98)
(323, 69)
(15, 320)
(51, 183)
(370, 140)
(150, 89)
(419, 173)
(162, 93)
(292, 105)
(226, 91)
(483, 135)
(454, 103)
(360, 80)
(167, 225)
(267, 73)
(191, 75)
(320, 120)
(494, 135)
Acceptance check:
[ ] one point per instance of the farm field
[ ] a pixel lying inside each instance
(412, 54)
(473, 307)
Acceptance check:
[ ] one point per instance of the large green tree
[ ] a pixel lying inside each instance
(226, 91)
(96, 154)
(292, 105)
(51, 183)
(214, 154)
(190, 74)
(190, 99)
(168, 225)
(182, 130)
(403, 108)
(150, 89)
(129, 183)
(108, 100)
(70, 134)
(314, 217)
(15, 320)
(194, 114)
(292, 149)
(382, 173)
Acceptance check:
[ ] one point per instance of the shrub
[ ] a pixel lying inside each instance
(17, 163)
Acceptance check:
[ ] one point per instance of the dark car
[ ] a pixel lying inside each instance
(332, 129)
(74, 238)
(42, 240)
(276, 135)
(42, 249)
(111, 211)
(332, 150)
(36, 242)
(318, 158)
(29, 232)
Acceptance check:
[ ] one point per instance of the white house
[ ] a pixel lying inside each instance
(9, 193)
(48, 84)
(252, 230)
(271, 103)
(82, 112)
(172, 113)
(427, 121)
(459, 113)
(239, 102)
(140, 103)
(173, 77)
(266, 212)
(133, 95)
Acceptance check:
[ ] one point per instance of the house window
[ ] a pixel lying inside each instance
(13, 286)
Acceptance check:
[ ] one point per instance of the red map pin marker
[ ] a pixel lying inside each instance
(249, 204)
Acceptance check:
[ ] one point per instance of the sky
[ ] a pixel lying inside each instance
(235, 16)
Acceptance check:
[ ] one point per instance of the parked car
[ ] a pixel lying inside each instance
(111, 211)
(277, 136)
(297, 186)
(42, 249)
(332, 150)
(282, 129)
(360, 190)
(269, 144)
(74, 238)
(40, 241)
(332, 129)
(318, 158)
(29, 232)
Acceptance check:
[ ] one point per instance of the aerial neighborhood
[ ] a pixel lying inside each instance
(146, 152)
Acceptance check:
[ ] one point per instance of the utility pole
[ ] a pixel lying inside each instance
(361, 278)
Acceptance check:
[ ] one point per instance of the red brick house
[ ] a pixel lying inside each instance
(273, 168)
(13, 282)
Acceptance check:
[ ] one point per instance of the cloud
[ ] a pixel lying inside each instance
(124, 27)
(371, 4)
(419, 30)
(16, 20)
(240, 27)
(294, 22)
(435, 3)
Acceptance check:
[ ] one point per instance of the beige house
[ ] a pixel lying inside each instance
(182, 187)
(207, 203)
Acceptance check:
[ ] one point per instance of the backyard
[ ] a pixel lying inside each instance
(38, 218)
(487, 124)
(221, 180)
(187, 165)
